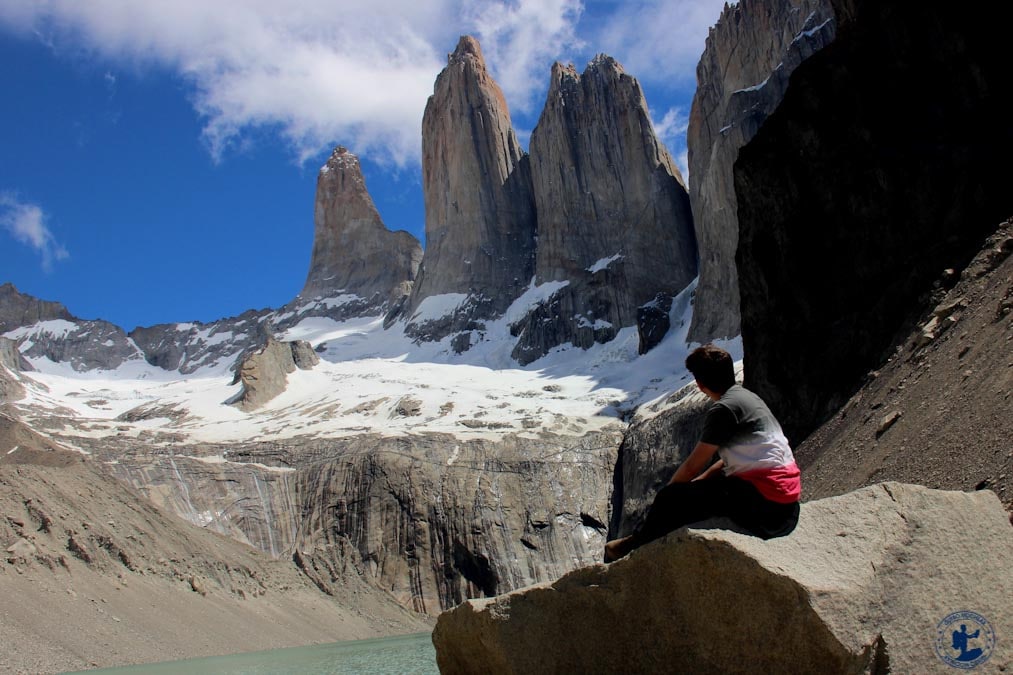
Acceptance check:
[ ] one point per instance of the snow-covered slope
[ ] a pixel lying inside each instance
(369, 380)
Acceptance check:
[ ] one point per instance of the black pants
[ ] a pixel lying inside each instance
(680, 504)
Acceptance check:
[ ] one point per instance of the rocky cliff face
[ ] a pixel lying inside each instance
(480, 217)
(47, 329)
(742, 76)
(11, 363)
(613, 214)
(865, 584)
(861, 189)
(18, 309)
(66, 524)
(353, 252)
(658, 439)
(430, 518)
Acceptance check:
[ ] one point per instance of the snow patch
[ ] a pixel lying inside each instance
(531, 298)
(437, 306)
(54, 328)
(604, 263)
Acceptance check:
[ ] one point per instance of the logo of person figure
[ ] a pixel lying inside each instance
(964, 640)
(960, 638)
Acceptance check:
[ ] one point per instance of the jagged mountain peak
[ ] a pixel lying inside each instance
(480, 221)
(341, 158)
(353, 251)
(467, 46)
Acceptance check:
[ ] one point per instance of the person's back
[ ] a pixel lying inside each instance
(752, 445)
(755, 482)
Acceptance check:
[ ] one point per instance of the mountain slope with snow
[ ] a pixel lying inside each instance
(370, 380)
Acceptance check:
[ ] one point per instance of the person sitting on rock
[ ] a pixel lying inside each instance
(755, 482)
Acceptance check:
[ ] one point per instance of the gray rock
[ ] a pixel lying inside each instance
(654, 445)
(18, 309)
(353, 252)
(613, 214)
(748, 59)
(11, 363)
(11, 358)
(480, 216)
(85, 345)
(189, 347)
(264, 372)
(653, 322)
(863, 585)
(432, 519)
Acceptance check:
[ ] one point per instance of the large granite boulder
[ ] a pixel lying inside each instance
(480, 215)
(264, 373)
(353, 252)
(749, 57)
(869, 582)
(861, 188)
(660, 436)
(613, 214)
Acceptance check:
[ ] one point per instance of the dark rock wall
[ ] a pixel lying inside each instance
(887, 161)
(749, 56)
(652, 449)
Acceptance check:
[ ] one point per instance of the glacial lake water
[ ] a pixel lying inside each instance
(401, 655)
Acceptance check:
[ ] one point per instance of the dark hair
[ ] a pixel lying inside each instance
(712, 367)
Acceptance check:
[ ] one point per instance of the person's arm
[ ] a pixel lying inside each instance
(695, 463)
(711, 470)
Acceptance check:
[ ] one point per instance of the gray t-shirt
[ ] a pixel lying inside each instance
(747, 434)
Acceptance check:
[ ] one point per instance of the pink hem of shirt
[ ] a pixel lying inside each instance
(781, 484)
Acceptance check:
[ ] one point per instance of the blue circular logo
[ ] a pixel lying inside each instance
(964, 640)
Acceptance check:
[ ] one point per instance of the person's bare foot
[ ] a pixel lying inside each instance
(617, 548)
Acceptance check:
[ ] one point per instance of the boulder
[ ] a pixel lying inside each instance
(264, 373)
(869, 582)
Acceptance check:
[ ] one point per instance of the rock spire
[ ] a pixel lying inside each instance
(480, 217)
(353, 252)
(614, 219)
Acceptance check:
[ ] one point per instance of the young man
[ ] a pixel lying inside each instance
(755, 482)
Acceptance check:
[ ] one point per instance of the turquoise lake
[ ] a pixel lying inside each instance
(394, 655)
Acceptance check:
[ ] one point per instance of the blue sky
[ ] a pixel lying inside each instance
(158, 159)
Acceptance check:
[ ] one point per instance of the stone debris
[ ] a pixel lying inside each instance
(887, 422)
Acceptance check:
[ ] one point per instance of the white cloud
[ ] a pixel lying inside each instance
(316, 72)
(520, 40)
(660, 40)
(673, 126)
(671, 130)
(27, 224)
